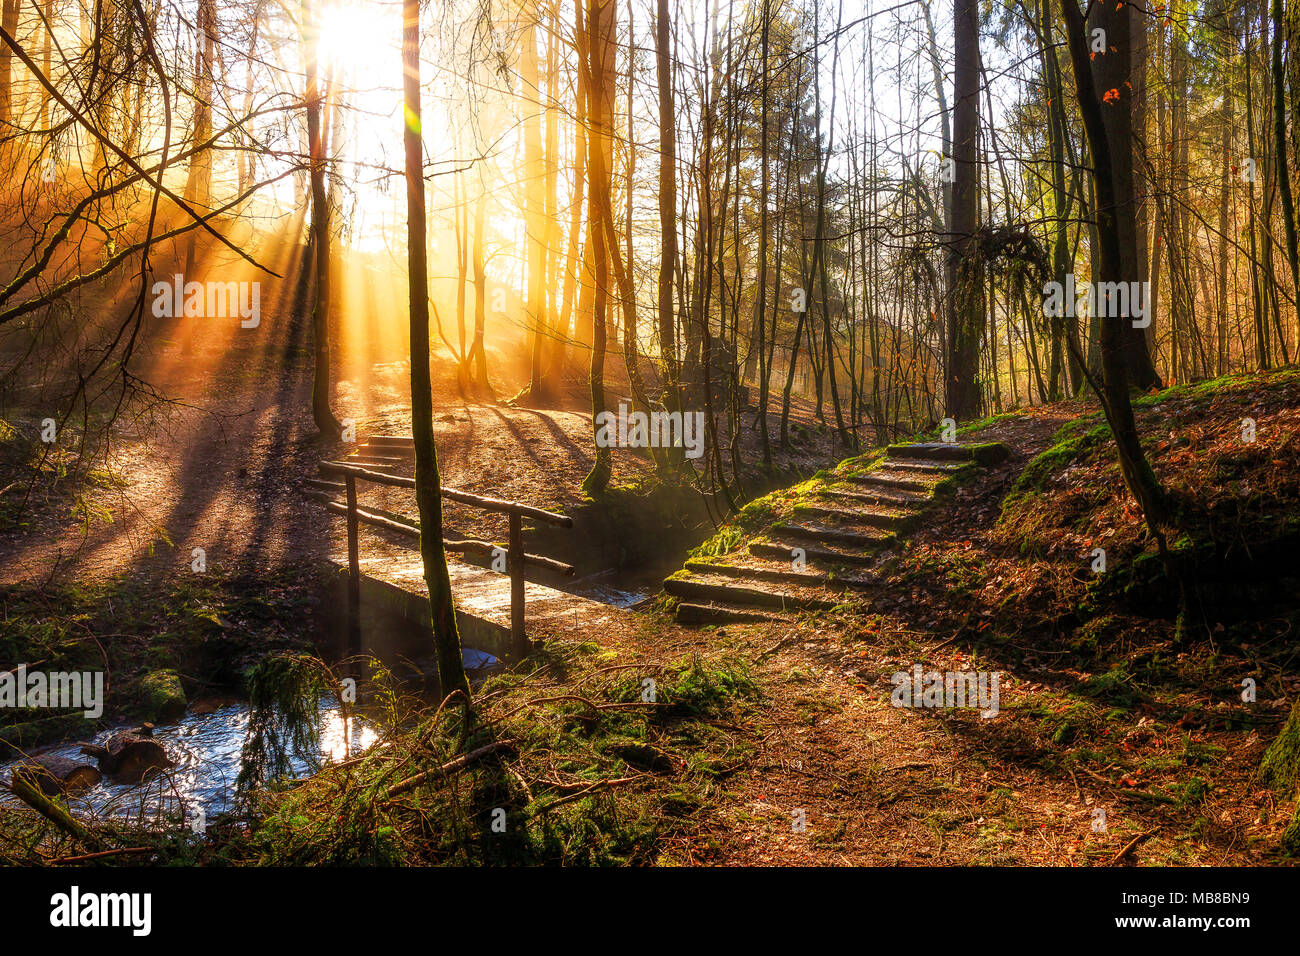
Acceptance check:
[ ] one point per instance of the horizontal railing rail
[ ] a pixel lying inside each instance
(516, 558)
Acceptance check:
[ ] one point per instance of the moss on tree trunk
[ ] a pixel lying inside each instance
(1280, 771)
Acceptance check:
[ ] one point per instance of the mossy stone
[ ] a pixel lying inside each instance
(162, 698)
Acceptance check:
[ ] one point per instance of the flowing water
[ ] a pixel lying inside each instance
(206, 743)
(207, 748)
(623, 588)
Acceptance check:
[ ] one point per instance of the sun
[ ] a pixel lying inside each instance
(363, 38)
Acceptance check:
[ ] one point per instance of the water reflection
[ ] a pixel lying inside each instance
(343, 737)
(206, 747)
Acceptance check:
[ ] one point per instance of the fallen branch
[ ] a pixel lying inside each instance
(598, 785)
(451, 766)
(86, 857)
(26, 791)
(763, 655)
(1131, 844)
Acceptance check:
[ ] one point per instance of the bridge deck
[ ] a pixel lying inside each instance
(395, 585)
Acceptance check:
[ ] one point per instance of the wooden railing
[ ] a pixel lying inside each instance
(516, 558)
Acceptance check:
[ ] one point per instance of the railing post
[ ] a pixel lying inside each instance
(354, 569)
(515, 562)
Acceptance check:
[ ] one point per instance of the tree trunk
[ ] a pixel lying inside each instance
(1112, 77)
(600, 16)
(535, 222)
(760, 310)
(574, 268)
(198, 184)
(965, 304)
(1138, 37)
(1138, 476)
(667, 203)
(9, 20)
(428, 487)
(1225, 199)
(320, 231)
(1279, 144)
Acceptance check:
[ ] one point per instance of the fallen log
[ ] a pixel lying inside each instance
(54, 775)
(29, 793)
(451, 766)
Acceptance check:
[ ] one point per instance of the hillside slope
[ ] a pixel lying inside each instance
(1121, 715)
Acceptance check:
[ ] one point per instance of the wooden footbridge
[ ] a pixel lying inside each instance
(494, 608)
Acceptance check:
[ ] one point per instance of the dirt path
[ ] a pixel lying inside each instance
(226, 476)
(839, 776)
(220, 466)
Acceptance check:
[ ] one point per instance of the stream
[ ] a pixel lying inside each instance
(207, 741)
(206, 745)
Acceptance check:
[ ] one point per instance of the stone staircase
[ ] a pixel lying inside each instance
(811, 547)
(384, 453)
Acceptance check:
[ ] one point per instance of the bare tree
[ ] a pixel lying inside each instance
(428, 486)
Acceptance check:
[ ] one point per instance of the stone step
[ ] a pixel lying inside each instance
(985, 454)
(892, 498)
(825, 555)
(714, 588)
(386, 461)
(748, 569)
(692, 613)
(403, 441)
(840, 514)
(370, 448)
(865, 539)
(928, 466)
(897, 481)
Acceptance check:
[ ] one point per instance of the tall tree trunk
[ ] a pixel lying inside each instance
(1061, 201)
(1225, 200)
(47, 58)
(1260, 307)
(556, 333)
(1114, 394)
(535, 222)
(246, 159)
(965, 304)
(198, 184)
(575, 288)
(1279, 145)
(1112, 74)
(600, 16)
(320, 230)
(1138, 37)
(476, 361)
(667, 203)
(9, 20)
(428, 486)
(760, 310)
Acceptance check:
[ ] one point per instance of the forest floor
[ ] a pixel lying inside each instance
(101, 574)
(1122, 735)
(1114, 697)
